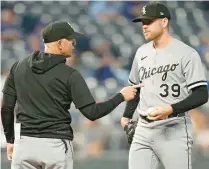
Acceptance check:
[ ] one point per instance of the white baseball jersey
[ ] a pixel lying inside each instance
(168, 74)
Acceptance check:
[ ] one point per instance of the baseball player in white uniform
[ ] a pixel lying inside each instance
(174, 83)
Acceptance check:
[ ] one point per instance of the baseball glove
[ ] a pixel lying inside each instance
(130, 130)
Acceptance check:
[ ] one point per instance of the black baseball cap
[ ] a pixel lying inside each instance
(57, 30)
(153, 10)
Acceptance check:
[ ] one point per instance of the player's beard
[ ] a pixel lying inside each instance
(153, 36)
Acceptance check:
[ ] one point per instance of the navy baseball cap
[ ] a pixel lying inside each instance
(57, 30)
(153, 10)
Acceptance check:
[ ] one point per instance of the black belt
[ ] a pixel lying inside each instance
(171, 116)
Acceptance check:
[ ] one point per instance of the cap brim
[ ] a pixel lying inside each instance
(76, 35)
(140, 18)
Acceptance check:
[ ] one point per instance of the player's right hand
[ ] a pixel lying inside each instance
(10, 148)
(129, 92)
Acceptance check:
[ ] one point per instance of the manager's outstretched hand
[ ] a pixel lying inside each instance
(129, 92)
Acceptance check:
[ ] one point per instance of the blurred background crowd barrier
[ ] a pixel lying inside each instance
(104, 57)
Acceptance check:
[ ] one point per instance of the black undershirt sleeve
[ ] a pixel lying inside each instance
(132, 105)
(187, 104)
(198, 97)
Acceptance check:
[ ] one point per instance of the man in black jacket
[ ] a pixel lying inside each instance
(43, 87)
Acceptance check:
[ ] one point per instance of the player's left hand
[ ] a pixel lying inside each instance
(160, 112)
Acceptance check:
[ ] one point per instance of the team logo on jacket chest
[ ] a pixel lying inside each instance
(148, 72)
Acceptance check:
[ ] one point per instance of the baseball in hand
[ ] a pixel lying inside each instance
(151, 109)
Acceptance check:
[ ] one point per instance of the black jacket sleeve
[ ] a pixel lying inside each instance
(198, 97)
(131, 105)
(7, 116)
(79, 91)
(84, 101)
(8, 104)
(95, 111)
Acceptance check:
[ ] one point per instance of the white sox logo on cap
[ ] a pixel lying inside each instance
(144, 10)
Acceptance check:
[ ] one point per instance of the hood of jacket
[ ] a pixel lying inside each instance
(41, 62)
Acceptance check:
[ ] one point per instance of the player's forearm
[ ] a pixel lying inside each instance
(7, 116)
(198, 97)
(98, 110)
(131, 106)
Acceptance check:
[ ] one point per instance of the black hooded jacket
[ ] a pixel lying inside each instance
(44, 87)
